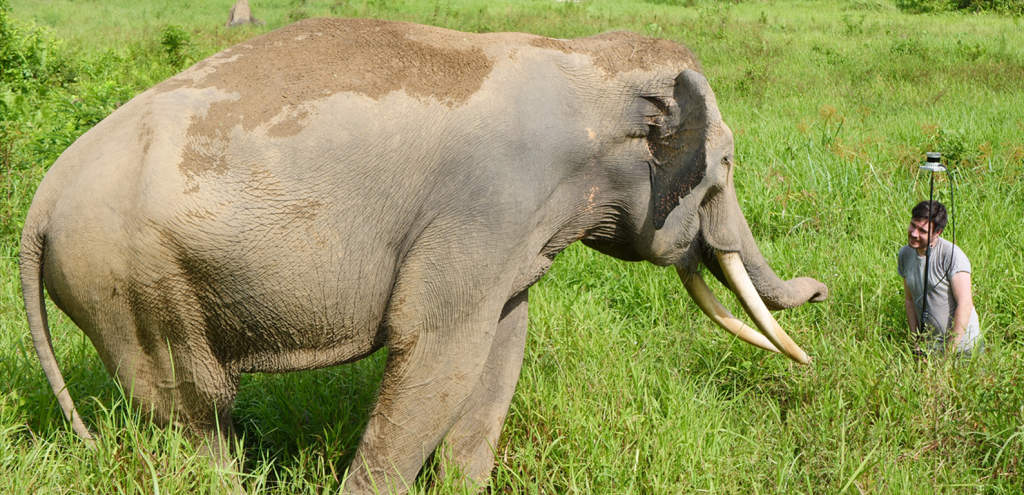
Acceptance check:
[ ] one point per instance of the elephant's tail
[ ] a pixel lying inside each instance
(33, 245)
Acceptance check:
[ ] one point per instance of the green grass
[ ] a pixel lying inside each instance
(626, 387)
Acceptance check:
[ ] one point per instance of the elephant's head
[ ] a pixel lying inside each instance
(689, 214)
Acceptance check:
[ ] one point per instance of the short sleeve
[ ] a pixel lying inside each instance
(901, 261)
(960, 263)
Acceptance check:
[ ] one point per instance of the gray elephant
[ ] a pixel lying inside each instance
(307, 197)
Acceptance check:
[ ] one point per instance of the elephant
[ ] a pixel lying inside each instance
(307, 197)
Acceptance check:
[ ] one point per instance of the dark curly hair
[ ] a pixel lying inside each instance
(938, 210)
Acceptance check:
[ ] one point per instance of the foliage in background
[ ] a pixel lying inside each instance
(1014, 7)
(626, 388)
(175, 42)
(31, 61)
(33, 69)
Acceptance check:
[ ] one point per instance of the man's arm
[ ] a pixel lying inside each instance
(911, 308)
(961, 284)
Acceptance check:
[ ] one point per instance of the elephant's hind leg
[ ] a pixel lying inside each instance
(472, 441)
(173, 374)
(176, 385)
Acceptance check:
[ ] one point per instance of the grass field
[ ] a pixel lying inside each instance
(626, 386)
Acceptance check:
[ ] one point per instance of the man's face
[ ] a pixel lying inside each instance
(917, 233)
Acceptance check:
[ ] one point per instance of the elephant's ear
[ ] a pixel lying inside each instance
(678, 142)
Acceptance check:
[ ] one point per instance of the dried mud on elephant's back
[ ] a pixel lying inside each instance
(623, 51)
(280, 71)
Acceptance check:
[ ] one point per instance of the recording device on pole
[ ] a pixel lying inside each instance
(933, 163)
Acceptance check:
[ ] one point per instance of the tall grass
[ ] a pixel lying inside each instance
(626, 387)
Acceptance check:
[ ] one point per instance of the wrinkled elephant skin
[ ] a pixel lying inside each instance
(309, 196)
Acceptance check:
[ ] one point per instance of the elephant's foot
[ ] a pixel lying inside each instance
(219, 444)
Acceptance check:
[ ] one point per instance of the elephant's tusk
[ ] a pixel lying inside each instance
(711, 306)
(739, 280)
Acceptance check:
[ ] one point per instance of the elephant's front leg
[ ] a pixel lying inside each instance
(435, 358)
(472, 441)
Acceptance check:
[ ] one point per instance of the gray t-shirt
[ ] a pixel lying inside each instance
(946, 260)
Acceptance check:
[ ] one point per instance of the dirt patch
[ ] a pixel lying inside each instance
(623, 51)
(290, 126)
(313, 59)
(277, 74)
(202, 155)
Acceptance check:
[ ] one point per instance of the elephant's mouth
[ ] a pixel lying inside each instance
(771, 337)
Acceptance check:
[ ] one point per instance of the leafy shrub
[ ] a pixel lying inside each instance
(30, 60)
(175, 42)
(33, 71)
(683, 3)
(1007, 6)
(1015, 7)
(910, 46)
(923, 6)
(299, 12)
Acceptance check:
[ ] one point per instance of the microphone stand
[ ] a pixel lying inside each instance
(933, 164)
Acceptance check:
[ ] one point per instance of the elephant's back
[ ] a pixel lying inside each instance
(313, 59)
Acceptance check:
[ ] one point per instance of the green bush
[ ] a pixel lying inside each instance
(175, 42)
(33, 71)
(48, 99)
(31, 63)
(1009, 6)
(1015, 7)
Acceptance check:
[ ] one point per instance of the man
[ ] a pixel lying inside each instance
(950, 321)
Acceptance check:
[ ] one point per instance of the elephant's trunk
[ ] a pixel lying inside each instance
(777, 294)
(733, 257)
(724, 229)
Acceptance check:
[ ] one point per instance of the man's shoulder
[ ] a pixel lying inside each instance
(948, 249)
(904, 258)
(959, 253)
(958, 260)
(906, 252)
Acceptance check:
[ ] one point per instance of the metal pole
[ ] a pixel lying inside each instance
(927, 258)
(933, 164)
